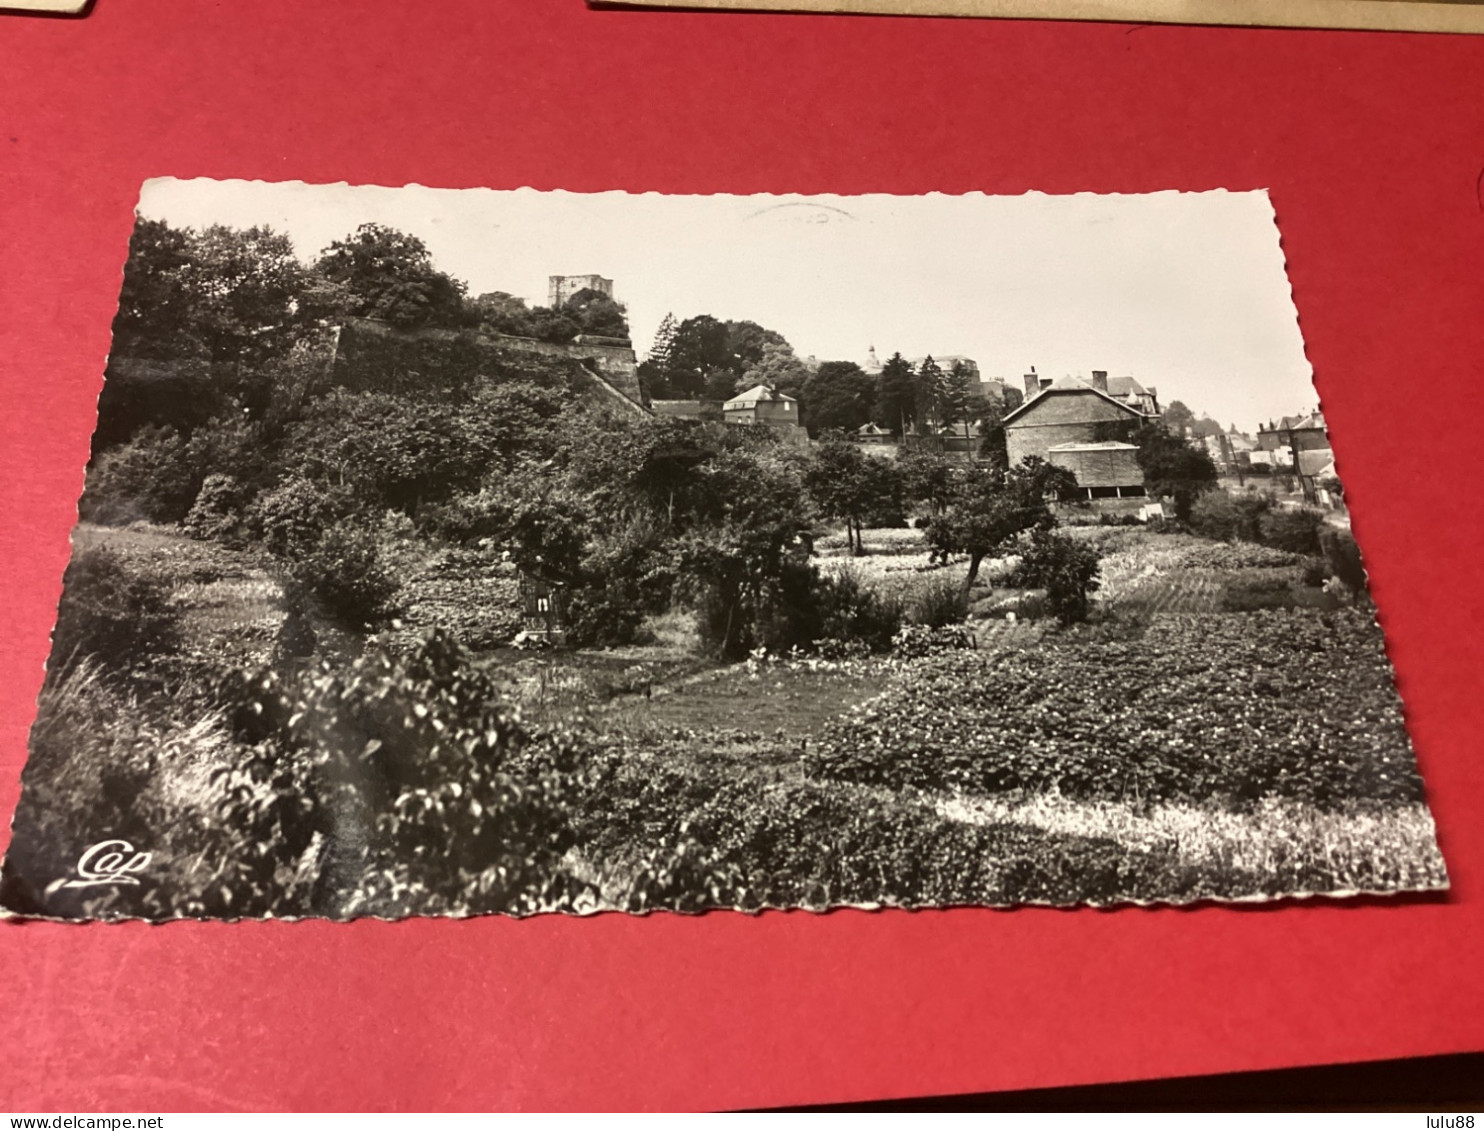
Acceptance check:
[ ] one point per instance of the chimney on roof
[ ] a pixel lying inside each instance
(1100, 380)
(1032, 385)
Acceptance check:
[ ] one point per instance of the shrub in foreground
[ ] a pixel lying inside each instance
(346, 572)
(108, 611)
(1066, 568)
(1223, 517)
(940, 602)
(395, 785)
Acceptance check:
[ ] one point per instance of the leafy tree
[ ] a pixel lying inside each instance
(211, 293)
(847, 484)
(700, 357)
(158, 300)
(896, 395)
(838, 395)
(931, 394)
(247, 285)
(779, 369)
(1178, 418)
(389, 275)
(748, 568)
(927, 477)
(1173, 468)
(1205, 426)
(963, 403)
(748, 344)
(501, 312)
(990, 508)
(597, 313)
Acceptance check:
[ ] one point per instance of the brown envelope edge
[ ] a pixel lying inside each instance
(1460, 16)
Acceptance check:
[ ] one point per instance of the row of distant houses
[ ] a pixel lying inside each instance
(1084, 424)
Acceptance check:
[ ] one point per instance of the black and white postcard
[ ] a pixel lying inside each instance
(448, 552)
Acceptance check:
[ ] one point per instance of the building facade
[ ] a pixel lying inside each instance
(1295, 433)
(1085, 427)
(560, 288)
(765, 406)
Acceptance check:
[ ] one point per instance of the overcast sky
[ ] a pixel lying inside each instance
(1184, 291)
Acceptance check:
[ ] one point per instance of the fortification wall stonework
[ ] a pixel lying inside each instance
(617, 363)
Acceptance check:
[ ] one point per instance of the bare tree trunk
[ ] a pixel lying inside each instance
(973, 574)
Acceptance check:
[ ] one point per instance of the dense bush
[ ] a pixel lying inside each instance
(1229, 518)
(216, 515)
(396, 785)
(625, 576)
(940, 602)
(345, 571)
(1342, 556)
(917, 640)
(1066, 568)
(120, 617)
(1296, 530)
(149, 477)
(853, 612)
(288, 520)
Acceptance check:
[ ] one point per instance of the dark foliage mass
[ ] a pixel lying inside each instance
(1307, 708)
(114, 615)
(1174, 468)
(807, 844)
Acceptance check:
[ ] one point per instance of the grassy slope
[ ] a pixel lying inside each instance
(723, 752)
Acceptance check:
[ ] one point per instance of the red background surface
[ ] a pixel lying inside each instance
(1373, 147)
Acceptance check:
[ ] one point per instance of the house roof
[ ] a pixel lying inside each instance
(871, 428)
(1100, 446)
(1314, 420)
(758, 394)
(945, 363)
(1077, 386)
(1126, 387)
(1316, 462)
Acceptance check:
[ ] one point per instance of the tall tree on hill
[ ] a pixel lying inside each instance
(748, 343)
(158, 301)
(389, 275)
(838, 395)
(701, 359)
(663, 349)
(655, 370)
(221, 294)
(248, 285)
(962, 402)
(779, 369)
(930, 393)
(896, 395)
